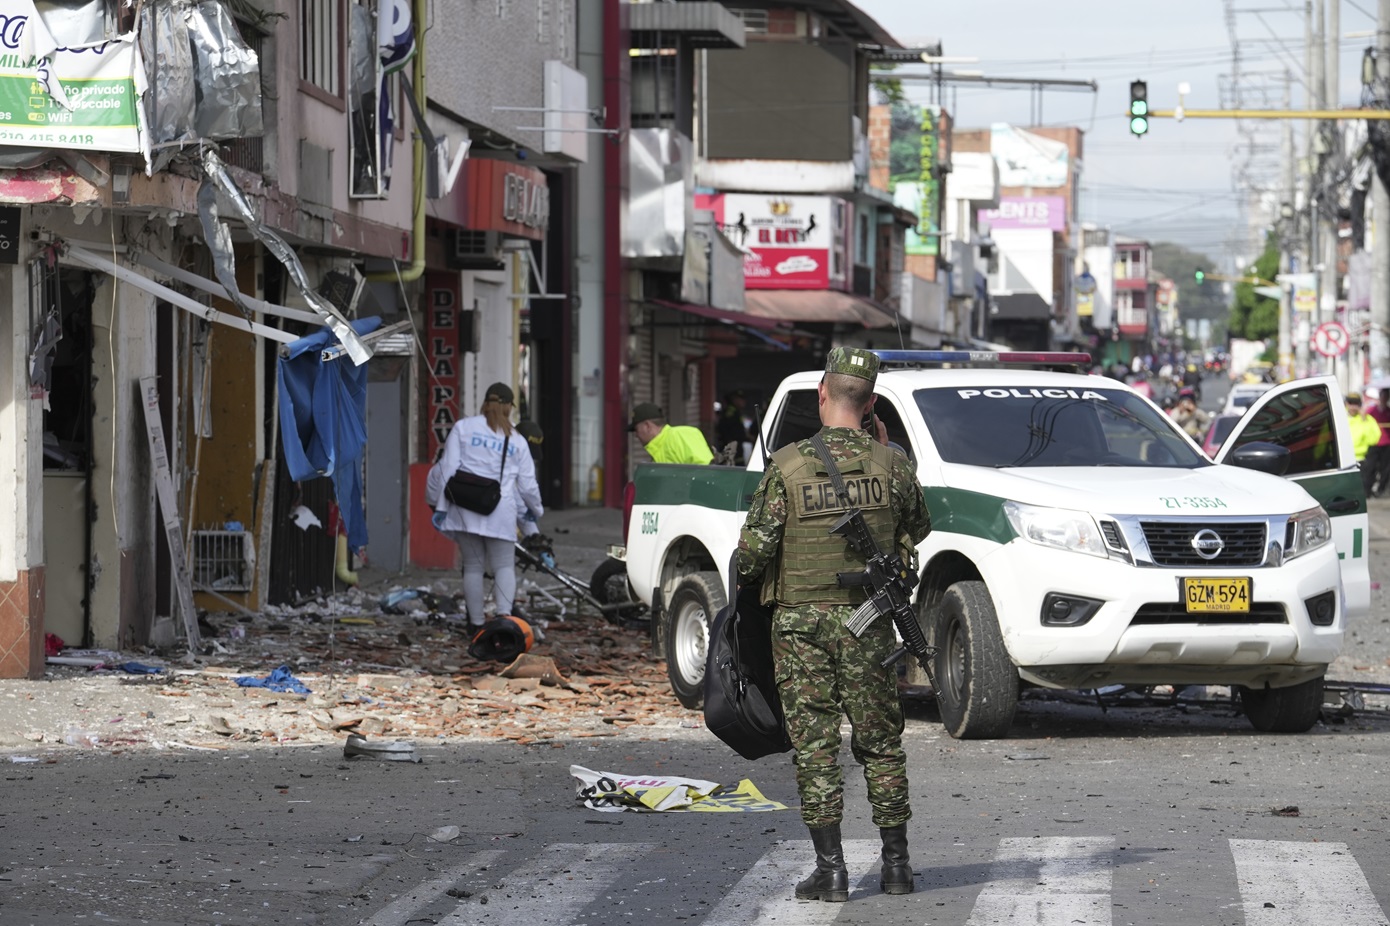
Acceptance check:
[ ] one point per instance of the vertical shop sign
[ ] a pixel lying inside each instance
(928, 222)
(921, 195)
(442, 354)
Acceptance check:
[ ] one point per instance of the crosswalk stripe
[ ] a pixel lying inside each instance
(555, 886)
(766, 894)
(1297, 883)
(1056, 881)
(403, 909)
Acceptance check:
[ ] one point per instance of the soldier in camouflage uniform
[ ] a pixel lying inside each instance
(823, 671)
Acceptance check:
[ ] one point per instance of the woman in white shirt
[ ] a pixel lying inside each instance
(487, 541)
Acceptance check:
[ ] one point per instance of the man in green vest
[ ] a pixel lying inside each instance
(824, 672)
(668, 443)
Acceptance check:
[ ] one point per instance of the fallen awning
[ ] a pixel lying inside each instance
(818, 305)
(723, 315)
(1021, 307)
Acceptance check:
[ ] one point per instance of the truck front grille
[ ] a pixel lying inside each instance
(1174, 612)
(1170, 542)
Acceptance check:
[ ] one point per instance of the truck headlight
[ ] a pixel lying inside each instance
(1057, 527)
(1307, 530)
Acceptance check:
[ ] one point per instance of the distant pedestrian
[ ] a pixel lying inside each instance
(1365, 434)
(1189, 417)
(1378, 457)
(732, 429)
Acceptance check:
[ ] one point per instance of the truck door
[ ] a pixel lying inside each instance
(1308, 417)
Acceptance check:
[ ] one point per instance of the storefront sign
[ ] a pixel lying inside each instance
(1016, 212)
(80, 98)
(442, 354)
(505, 197)
(788, 242)
(1028, 159)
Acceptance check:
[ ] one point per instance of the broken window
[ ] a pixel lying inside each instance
(381, 39)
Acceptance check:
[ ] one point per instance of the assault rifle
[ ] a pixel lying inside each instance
(888, 578)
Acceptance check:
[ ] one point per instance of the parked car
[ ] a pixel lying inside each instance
(1217, 432)
(1243, 395)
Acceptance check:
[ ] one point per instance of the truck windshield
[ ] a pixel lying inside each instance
(1052, 426)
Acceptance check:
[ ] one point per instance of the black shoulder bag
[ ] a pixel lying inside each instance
(477, 493)
(742, 706)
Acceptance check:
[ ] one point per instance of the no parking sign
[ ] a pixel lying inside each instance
(1331, 339)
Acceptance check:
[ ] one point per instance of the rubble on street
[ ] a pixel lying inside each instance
(403, 676)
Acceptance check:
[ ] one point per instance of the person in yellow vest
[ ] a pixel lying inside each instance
(1365, 434)
(668, 443)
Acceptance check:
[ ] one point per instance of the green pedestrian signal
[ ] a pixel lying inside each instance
(1138, 108)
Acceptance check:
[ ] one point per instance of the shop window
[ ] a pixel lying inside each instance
(372, 122)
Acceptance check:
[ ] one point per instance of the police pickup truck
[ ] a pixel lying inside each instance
(1079, 538)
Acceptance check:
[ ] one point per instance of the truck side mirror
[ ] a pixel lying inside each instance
(1261, 456)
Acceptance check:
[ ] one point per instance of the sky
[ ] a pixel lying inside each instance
(1176, 183)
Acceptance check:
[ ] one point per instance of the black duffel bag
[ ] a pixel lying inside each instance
(742, 706)
(474, 492)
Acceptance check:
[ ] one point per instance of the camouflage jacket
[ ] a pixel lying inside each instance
(761, 537)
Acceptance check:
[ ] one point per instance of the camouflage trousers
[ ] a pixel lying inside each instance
(824, 674)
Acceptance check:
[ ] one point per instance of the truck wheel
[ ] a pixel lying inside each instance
(977, 684)
(694, 603)
(1283, 710)
(609, 585)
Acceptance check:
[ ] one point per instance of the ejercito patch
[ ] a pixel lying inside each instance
(816, 498)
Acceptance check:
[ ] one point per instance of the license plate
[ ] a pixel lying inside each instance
(1216, 595)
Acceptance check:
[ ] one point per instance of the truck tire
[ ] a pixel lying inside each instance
(689, 617)
(977, 691)
(1283, 710)
(609, 585)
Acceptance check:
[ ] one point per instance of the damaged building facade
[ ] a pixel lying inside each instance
(184, 193)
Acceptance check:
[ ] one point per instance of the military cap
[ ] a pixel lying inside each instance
(852, 361)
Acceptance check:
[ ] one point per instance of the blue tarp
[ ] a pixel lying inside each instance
(323, 421)
(280, 680)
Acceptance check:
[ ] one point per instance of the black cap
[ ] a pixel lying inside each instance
(644, 411)
(499, 392)
(533, 434)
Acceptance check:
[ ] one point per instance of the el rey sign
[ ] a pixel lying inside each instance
(788, 242)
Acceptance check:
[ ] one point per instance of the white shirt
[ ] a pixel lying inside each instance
(475, 448)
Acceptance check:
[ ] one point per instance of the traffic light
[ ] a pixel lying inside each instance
(1138, 108)
(1200, 276)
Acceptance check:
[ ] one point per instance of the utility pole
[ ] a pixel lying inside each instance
(1286, 231)
(1331, 145)
(1380, 217)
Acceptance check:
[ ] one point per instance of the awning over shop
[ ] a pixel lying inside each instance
(733, 318)
(752, 325)
(1021, 307)
(818, 305)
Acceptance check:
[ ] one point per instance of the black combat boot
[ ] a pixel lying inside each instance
(896, 874)
(830, 880)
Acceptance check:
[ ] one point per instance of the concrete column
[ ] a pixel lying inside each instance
(123, 535)
(21, 489)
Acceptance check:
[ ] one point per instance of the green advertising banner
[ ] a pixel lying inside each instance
(923, 195)
(102, 103)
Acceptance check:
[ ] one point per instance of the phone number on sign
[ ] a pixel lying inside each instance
(35, 138)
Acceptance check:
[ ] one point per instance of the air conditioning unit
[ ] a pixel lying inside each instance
(475, 250)
(223, 561)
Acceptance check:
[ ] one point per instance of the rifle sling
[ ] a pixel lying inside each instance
(833, 470)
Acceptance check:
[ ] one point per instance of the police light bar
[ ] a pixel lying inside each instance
(1021, 358)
